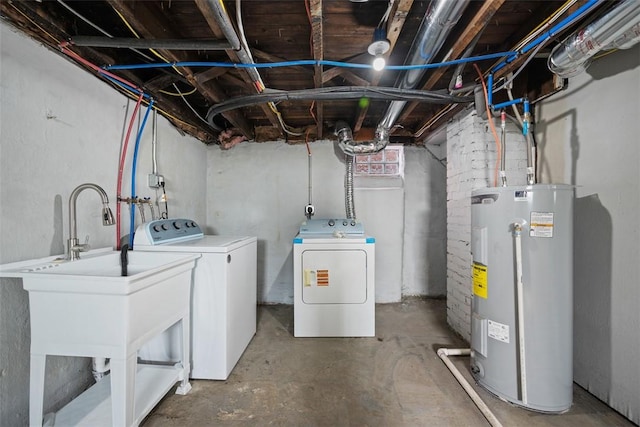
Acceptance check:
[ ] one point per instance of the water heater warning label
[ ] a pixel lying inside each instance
(498, 331)
(541, 224)
(479, 274)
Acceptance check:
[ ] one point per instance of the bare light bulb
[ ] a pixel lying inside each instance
(379, 63)
(378, 48)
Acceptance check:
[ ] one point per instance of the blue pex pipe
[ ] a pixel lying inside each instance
(126, 86)
(489, 90)
(525, 123)
(548, 34)
(133, 175)
(508, 103)
(306, 62)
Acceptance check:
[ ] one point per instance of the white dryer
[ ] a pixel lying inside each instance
(334, 282)
(223, 297)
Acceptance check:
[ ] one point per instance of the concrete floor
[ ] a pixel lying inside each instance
(394, 379)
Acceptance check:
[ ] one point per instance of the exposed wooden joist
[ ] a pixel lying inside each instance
(233, 56)
(150, 24)
(397, 18)
(475, 26)
(317, 36)
(267, 57)
(354, 79)
(210, 74)
(331, 74)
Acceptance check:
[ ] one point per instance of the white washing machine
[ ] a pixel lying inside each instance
(333, 277)
(223, 296)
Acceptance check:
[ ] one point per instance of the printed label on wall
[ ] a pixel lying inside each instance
(498, 331)
(479, 274)
(541, 224)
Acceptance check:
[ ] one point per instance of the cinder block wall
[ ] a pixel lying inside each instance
(471, 159)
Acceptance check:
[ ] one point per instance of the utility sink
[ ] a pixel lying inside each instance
(99, 272)
(86, 308)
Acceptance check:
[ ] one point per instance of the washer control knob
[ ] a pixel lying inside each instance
(353, 223)
(156, 228)
(345, 222)
(176, 225)
(331, 223)
(164, 226)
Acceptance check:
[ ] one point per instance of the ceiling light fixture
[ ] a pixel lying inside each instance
(378, 48)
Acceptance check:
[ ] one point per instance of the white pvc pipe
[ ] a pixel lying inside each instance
(517, 236)
(444, 354)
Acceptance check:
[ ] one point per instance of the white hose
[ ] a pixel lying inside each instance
(444, 354)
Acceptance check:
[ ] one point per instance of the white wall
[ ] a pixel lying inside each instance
(62, 127)
(589, 136)
(425, 215)
(471, 158)
(262, 189)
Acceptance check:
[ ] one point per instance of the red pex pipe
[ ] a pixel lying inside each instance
(123, 156)
(123, 153)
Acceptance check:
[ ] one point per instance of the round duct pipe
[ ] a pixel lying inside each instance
(619, 28)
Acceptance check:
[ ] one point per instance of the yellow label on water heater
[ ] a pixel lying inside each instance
(479, 274)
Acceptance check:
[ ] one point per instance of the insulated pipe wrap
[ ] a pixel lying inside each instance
(573, 55)
(433, 32)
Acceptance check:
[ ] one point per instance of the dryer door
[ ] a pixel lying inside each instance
(334, 276)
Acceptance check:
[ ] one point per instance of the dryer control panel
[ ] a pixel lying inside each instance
(330, 226)
(163, 231)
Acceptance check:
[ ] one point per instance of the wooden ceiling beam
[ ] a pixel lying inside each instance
(332, 73)
(273, 58)
(317, 37)
(398, 16)
(210, 74)
(150, 24)
(355, 79)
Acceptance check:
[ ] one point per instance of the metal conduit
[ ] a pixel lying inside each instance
(169, 44)
(616, 29)
(433, 31)
(216, 9)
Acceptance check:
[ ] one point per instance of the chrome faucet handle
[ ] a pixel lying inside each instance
(82, 247)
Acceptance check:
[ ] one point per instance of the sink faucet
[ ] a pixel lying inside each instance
(73, 244)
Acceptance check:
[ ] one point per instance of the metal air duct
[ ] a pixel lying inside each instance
(433, 31)
(619, 28)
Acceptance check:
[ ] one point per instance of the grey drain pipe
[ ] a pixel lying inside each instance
(433, 31)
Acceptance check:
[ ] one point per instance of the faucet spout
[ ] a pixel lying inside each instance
(74, 246)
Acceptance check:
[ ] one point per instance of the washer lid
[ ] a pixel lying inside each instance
(204, 244)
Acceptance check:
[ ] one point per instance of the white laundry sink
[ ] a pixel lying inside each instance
(101, 273)
(86, 308)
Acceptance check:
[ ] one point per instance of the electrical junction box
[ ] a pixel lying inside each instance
(155, 180)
